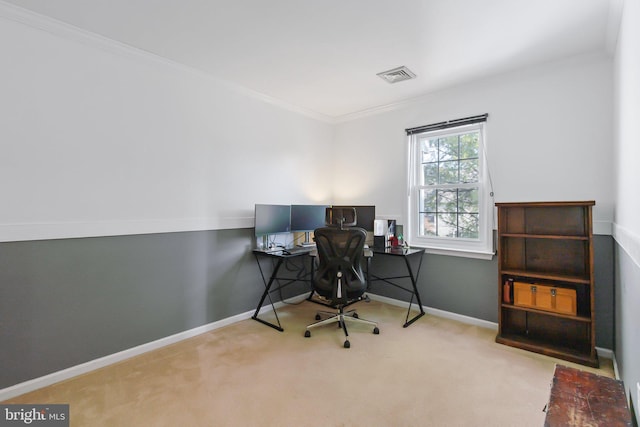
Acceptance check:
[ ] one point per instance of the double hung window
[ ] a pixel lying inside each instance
(449, 193)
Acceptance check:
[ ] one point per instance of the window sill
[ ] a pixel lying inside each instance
(488, 256)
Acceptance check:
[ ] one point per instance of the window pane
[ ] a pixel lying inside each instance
(446, 225)
(468, 226)
(429, 150)
(469, 170)
(468, 200)
(448, 148)
(427, 224)
(428, 200)
(449, 172)
(429, 173)
(469, 145)
(447, 200)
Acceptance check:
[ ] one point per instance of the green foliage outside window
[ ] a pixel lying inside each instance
(448, 204)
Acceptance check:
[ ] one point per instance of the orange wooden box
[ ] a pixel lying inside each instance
(543, 297)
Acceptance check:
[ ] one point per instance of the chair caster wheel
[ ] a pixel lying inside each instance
(318, 317)
(347, 344)
(307, 334)
(376, 330)
(355, 315)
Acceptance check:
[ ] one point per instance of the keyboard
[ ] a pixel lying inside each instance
(298, 249)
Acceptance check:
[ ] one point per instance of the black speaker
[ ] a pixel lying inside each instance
(379, 242)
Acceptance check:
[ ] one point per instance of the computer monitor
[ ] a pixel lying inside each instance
(272, 219)
(343, 217)
(365, 215)
(306, 218)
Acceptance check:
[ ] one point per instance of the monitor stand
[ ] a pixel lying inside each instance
(307, 240)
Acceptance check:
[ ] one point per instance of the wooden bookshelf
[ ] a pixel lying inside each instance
(548, 245)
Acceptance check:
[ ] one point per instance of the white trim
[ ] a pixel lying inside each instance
(461, 253)
(429, 93)
(629, 241)
(606, 353)
(616, 371)
(78, 229)
(71, 230)
(92, 365)
(438, 313)
(65, 374)
(61, 29)
(602, 352)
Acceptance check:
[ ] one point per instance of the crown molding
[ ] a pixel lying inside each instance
(61, 29)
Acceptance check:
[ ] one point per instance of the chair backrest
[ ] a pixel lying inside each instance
(341, 217)
(339, 250)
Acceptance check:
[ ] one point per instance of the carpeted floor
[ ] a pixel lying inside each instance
(436, 372)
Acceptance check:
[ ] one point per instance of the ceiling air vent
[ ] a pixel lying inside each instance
(397, 75)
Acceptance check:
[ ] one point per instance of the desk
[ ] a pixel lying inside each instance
(410, 255)
(407, 254)
(279, 257)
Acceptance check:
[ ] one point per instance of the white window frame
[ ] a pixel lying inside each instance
(483, 246)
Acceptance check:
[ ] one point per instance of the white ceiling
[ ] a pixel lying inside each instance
(322, 56)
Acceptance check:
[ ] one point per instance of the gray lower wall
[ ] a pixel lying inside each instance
(470, 286)
(66, 302)
(603, 252)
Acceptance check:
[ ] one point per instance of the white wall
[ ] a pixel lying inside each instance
(548, 136)
(627, 197)
(97, 138)
(627, 71)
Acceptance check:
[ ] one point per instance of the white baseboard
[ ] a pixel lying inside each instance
(615, 367)
(65, 374)
(439, 313)
(83, 368)
(605, 353)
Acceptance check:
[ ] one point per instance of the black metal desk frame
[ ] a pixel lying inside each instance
(282, 282)
(406, 254)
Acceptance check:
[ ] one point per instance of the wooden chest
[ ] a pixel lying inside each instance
(580, 398)
(543, 297)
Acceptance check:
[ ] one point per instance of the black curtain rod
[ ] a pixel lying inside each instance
(448, 124)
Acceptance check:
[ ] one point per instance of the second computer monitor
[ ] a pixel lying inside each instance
(307, 217)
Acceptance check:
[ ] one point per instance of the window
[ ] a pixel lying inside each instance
(449, 196)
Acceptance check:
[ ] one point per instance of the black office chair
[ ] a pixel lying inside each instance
(339, 278)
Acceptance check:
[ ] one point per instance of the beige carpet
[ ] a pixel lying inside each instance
(436, 372)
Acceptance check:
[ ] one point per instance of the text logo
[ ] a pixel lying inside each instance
(34, 415)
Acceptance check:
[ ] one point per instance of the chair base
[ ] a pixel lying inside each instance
(341, 318)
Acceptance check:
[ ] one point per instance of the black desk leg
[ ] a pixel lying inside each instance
(266, 294)
(414, 283)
